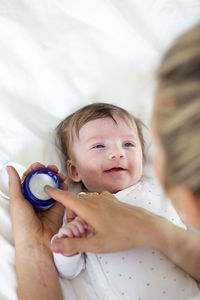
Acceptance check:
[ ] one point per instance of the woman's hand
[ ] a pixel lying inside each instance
(37, 276)
(29, 226)
(116, 226)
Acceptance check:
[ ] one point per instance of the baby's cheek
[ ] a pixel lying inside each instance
(137, 170)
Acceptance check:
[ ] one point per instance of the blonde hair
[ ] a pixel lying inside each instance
(72, 124)
(177, 111)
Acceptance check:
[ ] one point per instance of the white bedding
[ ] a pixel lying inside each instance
(57, 55)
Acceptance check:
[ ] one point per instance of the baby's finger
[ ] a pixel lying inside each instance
(77, 233)
(75, 229)
(83, 223)
(79, 226)
(65, 232)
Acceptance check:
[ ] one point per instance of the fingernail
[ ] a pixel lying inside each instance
(8, 169)
(48, 188)
(57, 247)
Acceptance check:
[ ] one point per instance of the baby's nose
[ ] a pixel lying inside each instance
(116, 154)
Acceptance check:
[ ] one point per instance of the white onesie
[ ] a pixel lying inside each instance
(138, 274)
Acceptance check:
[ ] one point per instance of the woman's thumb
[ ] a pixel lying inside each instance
(14, 182)
(74, 245)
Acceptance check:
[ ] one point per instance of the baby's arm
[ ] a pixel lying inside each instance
(69, 265)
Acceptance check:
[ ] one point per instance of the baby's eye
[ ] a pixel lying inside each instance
(98, 146)
(128, 144)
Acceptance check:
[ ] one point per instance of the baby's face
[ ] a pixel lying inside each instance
(107, 156)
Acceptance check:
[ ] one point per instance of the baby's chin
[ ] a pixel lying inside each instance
(118, 189)
(111, 189)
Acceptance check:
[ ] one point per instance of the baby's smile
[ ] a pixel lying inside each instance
(115, 169)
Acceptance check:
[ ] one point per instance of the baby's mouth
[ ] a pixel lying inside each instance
(114, 170)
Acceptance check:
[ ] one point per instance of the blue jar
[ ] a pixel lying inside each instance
(33, 187)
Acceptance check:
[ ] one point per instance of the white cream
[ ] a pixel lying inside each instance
(37, 184)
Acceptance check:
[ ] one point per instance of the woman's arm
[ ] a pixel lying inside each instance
(181, 246)
(118, 226)
(36, 273)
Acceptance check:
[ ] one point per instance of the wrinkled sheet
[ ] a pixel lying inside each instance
(56, 56)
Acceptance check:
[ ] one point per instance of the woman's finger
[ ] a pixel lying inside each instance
(53, 168)
(70, 215)
(64, 186)
(17, 201)
(14, 183)
(62, 177)
(33, 167)
(68, 199)
(76, 245)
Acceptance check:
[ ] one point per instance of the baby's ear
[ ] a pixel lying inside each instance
(72, 171)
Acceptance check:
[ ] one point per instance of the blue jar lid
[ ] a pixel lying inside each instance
(29, 194)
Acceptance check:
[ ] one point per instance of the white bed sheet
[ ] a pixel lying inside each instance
(57, 55)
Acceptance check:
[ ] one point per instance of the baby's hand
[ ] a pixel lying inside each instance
(76, 228)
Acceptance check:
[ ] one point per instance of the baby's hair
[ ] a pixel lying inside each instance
(71, 125)
(177, 111)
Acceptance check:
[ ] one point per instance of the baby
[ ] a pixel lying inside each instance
(104, 150)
